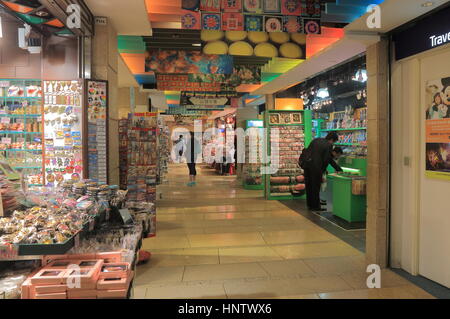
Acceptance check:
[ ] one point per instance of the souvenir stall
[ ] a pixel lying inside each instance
(163, 150)
(252, 176)
(288, 133)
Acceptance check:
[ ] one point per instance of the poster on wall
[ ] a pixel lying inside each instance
(437, 114)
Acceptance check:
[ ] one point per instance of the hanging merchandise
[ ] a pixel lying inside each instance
(253, 23)
(210, 5)
(232, 5)
(97, 146)
(63, 131)
(291, 7)
(211, 21)
(192, 5)
(312, 26)
(273, 24)
(271, 6)
(191, 20)
(123, 153)
(232, 21)
(253, 6)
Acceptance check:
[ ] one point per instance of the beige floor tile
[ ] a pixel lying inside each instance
(283, 287)
(297, 236)
(183, 257)
(310, 296)
(287, 268)
(247, 254)
(223, 272)
(403, 292)
(147, 274)
(139, 292)
(336, 265)
(215, 291)
(225, 240)
(165, 242)
(388, 279)
(314, 250)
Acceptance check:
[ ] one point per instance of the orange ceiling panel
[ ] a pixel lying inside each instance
(155, 17)
(248, 87)
(55, 23)
(317, 42)
(288, 104)
(135, 62)
(17, 7)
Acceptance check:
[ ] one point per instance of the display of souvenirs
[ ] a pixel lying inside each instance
(21, 126)
(123, 153)
(63, 131)
(350, 118)
(97, 112)
(253, 156)
(163, 150)
(287, 141)
(142, 157)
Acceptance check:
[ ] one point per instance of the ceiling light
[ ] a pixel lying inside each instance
(196, 44)
(427, 4)
(41, 14)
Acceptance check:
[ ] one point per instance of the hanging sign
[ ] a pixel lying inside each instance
(171, 82)
(204, 100)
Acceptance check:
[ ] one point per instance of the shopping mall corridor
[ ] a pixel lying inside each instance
(217, 240)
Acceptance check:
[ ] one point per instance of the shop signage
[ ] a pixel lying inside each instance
(430, 32)
(168, 82)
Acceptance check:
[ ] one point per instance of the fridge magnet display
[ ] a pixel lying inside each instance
(312, 26)
(192, 5)
(232, 5)
(211, 21)
(253, 6)
(191, 20)
(437, 123)
(210, 5)
(291, 7)
(271, 6)
(232, 21)
(273, 24)
(253, 23)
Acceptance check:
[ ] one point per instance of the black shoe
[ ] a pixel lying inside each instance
(323, 202)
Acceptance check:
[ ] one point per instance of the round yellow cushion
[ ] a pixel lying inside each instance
(211, 35)
(258, 37)
(291, 50)
(235, 35)
(299, 38)
(216, 47)
(279, 37)
(241, 48)
(266, 50)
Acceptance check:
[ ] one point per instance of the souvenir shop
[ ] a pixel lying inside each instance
(60, 220)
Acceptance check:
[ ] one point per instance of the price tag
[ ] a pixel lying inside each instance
(9, 252)
(5, 120)
(6, 140)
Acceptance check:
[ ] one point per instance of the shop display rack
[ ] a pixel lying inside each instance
(21, 127)
(289, 132)
(253, 179)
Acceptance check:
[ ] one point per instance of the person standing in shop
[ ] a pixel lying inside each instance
(314, 161)
(180, 148)
(193, 150)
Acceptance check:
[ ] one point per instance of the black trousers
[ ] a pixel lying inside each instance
(192, 170)
(313, 182)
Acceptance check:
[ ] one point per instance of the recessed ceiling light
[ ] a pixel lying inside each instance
(427, 4)
(196, 44)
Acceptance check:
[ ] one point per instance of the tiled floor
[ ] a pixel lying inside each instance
(217, 240)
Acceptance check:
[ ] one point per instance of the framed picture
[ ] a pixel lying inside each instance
(274, 118)
(271, 6)
(285, 118)
(296, 118)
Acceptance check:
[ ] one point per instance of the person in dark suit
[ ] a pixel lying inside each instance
(318, 156)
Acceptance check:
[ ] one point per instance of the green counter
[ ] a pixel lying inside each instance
(347, 206)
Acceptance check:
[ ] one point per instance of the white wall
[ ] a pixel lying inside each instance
(420, 211)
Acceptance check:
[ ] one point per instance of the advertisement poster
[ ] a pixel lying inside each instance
(172, 82)
(437, 112)
(175, 61)
(232, 5)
